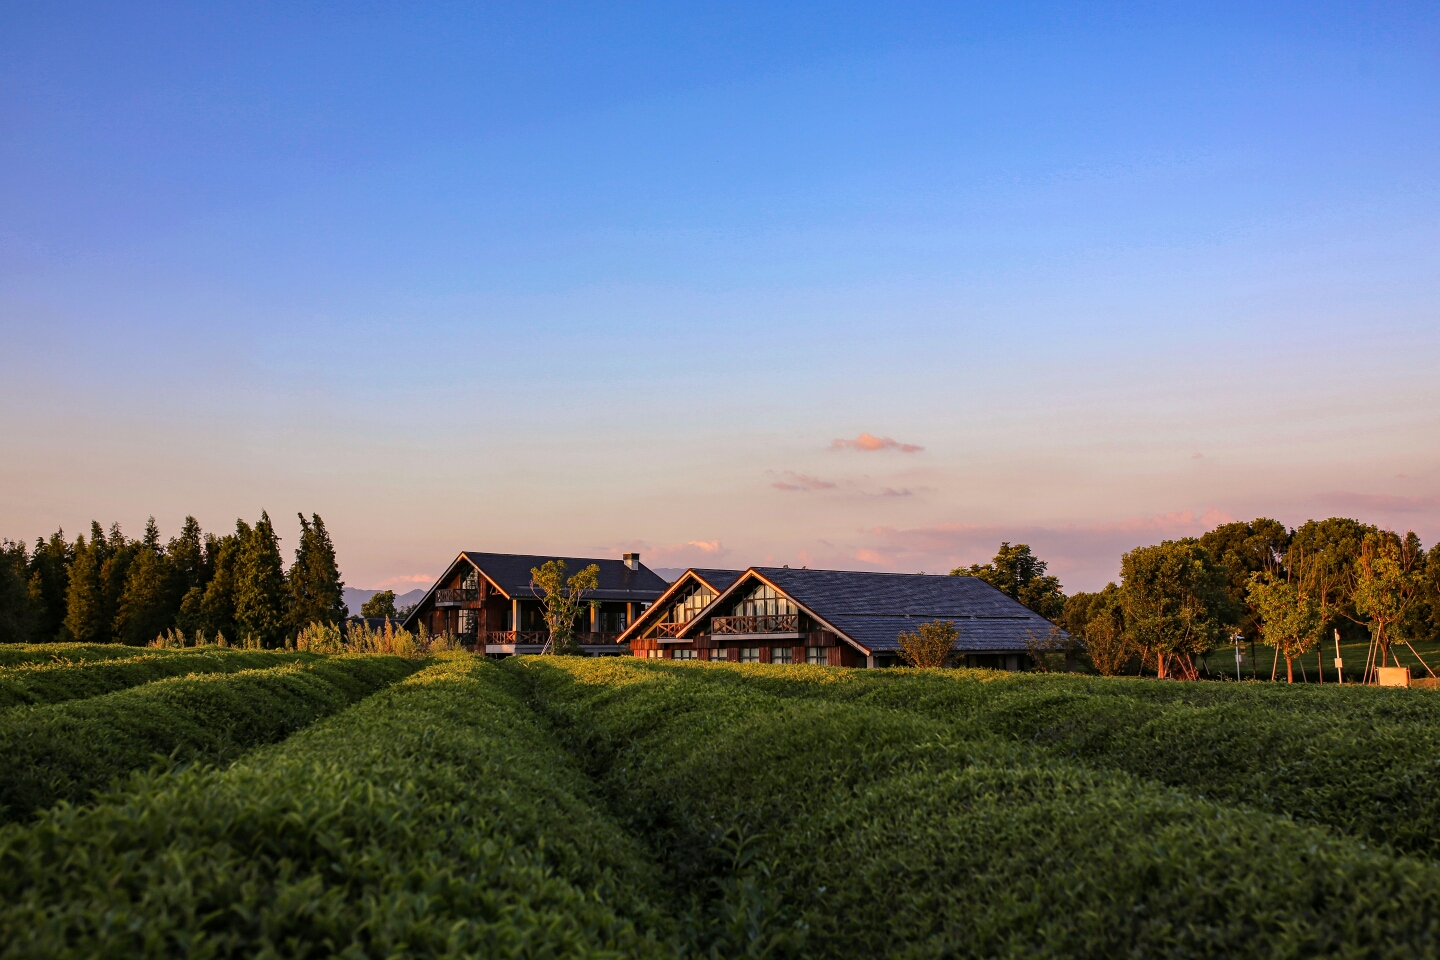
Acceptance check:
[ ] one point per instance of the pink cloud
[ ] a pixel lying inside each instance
(802, 482)
(871, 443)
(690, 553)
(1363, 503)
(425, 579)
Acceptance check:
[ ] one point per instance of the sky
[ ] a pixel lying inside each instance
(849, 286)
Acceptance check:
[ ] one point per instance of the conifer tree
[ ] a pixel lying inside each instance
(260, 607)
(85, 600)
(145, 609)
(49, 579)
(17, 610)
(217, 608)
(186, 554)
(119, 553)
(317, 594)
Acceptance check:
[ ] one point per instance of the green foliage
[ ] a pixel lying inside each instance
(562, 600)
(930, 645)
(260, 597)
(316, 590)
(147, 603)
(1243, 550)
(1098, 621)
(49, 580)
(1020, 575)
(65, 751)
(1389, 578)
(816, 826)
(1290, 616)
(22, 654)
(85, 598)
(19, 612)
(1175, 603)
(59, 680)
(381, 604)
(436, 818)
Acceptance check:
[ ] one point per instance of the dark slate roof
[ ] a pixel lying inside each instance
(874, 608)
(719, 580)
(511, 572)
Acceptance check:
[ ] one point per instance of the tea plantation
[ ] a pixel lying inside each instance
(239, 803)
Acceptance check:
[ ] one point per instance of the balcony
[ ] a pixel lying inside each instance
(670, 629)
(451, 597)
(787, 623)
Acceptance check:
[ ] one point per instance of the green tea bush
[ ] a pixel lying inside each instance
(819, 827)
(1363, 760)
(13, 654)
(57, 680)
(437, 818)
(66, 751)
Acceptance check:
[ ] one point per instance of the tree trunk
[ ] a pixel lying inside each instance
(1289, 671)
(1160, 666)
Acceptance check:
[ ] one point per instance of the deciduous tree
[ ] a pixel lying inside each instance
(1020, 575)
(1175, 602)
(562, 600)
(1389, 576)
(381, 604)
(1291, 617)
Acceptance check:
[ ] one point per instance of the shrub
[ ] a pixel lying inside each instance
(57, 681)
(930, 644)
(826, 827)
(20, 653)
(436, 818)
(66, 751)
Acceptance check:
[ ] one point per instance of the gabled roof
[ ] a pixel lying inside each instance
(873, 609)
(510, 573)
(716, 580)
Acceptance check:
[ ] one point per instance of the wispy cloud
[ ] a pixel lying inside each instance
(424, 579)
(1367, 503)
(689, 553)
(872, 443)
(802, 482)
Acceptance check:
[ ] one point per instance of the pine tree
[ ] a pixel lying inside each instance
(217, 608)
(85, 600)
(186, 554)
(145, 609)
(119, 553)
(18, 613)
(260, 608)
(49, 579)
(317, 595)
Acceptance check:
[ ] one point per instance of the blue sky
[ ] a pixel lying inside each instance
(584, 279)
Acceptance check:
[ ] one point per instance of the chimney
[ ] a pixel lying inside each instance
(632, 560)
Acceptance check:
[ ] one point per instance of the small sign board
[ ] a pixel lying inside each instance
(1393, 676)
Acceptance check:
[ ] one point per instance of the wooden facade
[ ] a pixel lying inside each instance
(486, 602)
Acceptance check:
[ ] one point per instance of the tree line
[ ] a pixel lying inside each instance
(108, 588)
(1240, 582)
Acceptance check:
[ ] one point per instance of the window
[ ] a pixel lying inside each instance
(683, 655)
(749, 654)
(718, 653)
(816, 655)
(780, 655)
(764, 601)
(696, 600)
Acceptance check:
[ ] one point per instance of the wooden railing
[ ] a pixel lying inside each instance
(778, 623)
(670, 629)
(542, 636)
(448, 595)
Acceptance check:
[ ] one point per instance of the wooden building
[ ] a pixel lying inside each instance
(833, 617)
(486, 600)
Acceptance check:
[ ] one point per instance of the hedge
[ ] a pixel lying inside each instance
(819, 827)
(435, 818)
(66, 751)
(57, 681)
(14, 654)
(1363, 760)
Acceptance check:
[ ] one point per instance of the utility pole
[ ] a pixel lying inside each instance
(1237, 638)
(1339, 664)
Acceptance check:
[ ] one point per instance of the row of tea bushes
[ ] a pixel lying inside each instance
(435, 818)
(818, 827)
(66, 751)
(59, 680)
(14, 654)
(1360, 759)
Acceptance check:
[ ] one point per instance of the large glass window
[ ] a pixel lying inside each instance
(764, 601)
(817, 655)
(683, 655)
(697, 599)
(749, 654)
(780, 655)
(718, 653)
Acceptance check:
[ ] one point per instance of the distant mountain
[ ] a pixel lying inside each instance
(355, 598)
